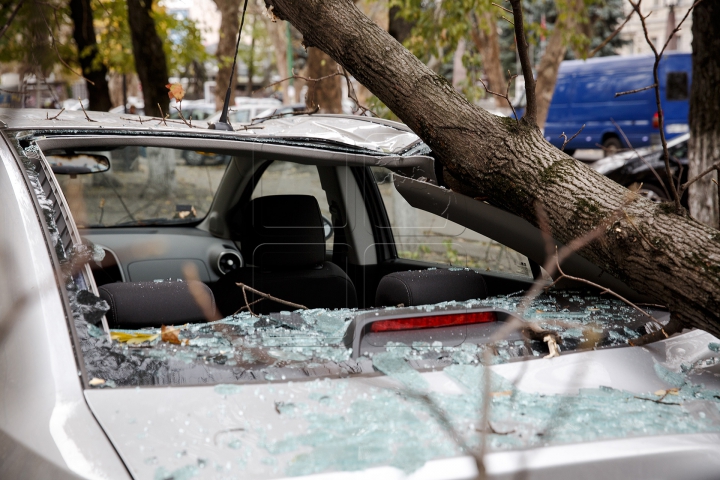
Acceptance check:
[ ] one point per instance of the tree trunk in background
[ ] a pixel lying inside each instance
(378, 12)
(150, 61)
(512, 165)
(251, 64)
(398, 27)
(84, 35)
(278, 37)
(459, 70)
(705, 113)
(327, 94)
(485, 37)
(229, 26)
(555, 51)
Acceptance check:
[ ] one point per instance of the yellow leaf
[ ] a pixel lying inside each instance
(176, 91)
(133, 338)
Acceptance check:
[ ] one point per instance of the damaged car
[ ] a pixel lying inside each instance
(319, 305)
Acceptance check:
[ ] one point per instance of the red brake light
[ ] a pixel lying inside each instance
(433, 321)
(656, 121)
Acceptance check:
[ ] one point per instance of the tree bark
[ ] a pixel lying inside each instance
(555, 51)
(278, 36)
(84, 35)
(704, 200)
(672, 259)
(229, 26)
(150, 61)
(326, 94)
(485, 37)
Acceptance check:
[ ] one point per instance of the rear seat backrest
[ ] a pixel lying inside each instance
(153, 304)
(425, 287)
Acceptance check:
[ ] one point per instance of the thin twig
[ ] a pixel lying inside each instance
(182, 117)
(353, 95)
(86, 115)
(637, 90)
(57, 52)
(715, 166)
(568, 140)
(270, 297)
(661, 118)
(506, 95)
(502, 8)
(248, 305)
(610, 37)
(12, 17)
(642, 159)
(602, 290)
(48, 117)
(162, 115)
(507, 20)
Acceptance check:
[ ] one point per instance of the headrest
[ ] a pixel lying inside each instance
(153, 304)
(283, 232)
(425, 287)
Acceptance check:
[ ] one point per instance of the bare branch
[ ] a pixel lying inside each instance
(12, 17)
(637, 90)
(162, 115)
(677, 29)
(715, 166)
(595, 50)
(57, 52)
(506, 95)
(502, 8)
(647, 164)
(270, 297)
(182, 117)
(568, 140)
(86, 115)
(54, 117)
(522, 47)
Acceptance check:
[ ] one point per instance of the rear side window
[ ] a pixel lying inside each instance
(424, 236)
(677, 86)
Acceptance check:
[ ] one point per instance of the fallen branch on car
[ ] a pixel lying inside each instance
(268, 297)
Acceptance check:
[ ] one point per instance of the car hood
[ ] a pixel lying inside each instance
(595, 411)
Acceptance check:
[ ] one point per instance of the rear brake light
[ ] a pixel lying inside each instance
(656, 121)
(433, 321)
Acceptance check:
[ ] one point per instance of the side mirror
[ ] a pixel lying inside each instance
(327, 227)
(78, 163)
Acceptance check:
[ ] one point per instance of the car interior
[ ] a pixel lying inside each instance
(312, 232)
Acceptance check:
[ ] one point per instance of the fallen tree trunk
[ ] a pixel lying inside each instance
(669, 257)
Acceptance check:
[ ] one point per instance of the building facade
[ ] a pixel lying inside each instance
(664, 16)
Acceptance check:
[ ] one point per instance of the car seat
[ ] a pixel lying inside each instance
(153, 304)
(283, 242)
(426, 287)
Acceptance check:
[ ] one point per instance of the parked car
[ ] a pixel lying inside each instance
(138, 339)
(195, 110)
(635, 168)
(585, 95)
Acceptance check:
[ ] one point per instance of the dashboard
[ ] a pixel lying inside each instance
(141, 254)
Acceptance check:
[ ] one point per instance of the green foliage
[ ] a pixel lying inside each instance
(439, 26)
(37, 37)
(181, 38)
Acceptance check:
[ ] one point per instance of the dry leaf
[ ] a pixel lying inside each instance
(176, 91)
(504, 393)
(133, 338)
(171, 334)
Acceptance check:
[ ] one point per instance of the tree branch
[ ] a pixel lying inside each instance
(12, 17)
(522, 47)
(595, 50)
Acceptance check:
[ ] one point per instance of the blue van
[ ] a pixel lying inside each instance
(585, 94)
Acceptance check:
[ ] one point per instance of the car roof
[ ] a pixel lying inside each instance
(367, 133)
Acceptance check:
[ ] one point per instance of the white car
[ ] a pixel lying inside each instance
(163, 320)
